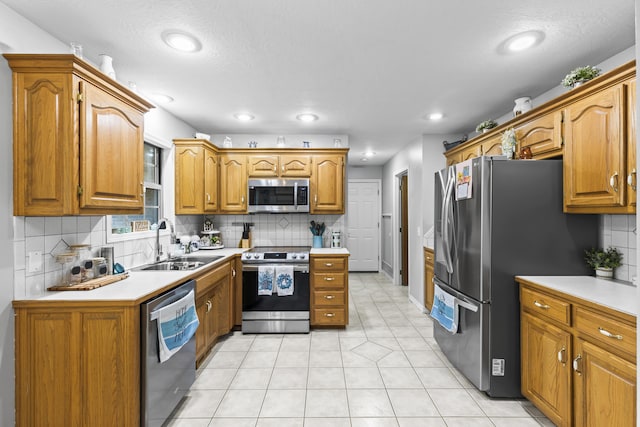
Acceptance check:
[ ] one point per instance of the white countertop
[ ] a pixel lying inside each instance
(329, 251)
(139, 284)
(616, 295)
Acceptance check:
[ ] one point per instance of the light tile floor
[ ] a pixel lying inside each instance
(384, 369)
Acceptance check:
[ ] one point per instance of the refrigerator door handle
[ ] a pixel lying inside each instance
(446, 207)
(467, 305)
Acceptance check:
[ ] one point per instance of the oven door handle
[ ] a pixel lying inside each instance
(304, 268)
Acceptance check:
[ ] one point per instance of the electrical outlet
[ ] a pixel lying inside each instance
(34, 264)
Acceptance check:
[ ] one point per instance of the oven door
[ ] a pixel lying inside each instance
(252, 302)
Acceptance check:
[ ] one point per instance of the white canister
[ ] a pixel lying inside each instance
(106, 65)
(522, 105)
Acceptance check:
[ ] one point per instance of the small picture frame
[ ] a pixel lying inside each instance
(142, 225)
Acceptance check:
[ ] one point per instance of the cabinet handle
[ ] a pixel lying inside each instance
(328, 264)
(329, 297)
(329, 315)
(561, 355)
(242, 200)
(275, 168)
(576, 366)
(631, 179)
(209, 305)
(329, 279)
(208, 197)
(233, 272)
(315, 199)
(142, 188)
(541, 305)
(613, 181)
(282, 168)
(609, 334)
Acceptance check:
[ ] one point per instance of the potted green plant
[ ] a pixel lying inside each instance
(580, 75)
(603, 261)
(486, 125)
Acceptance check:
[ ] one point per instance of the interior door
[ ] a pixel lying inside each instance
(404, 228)
(363, 219)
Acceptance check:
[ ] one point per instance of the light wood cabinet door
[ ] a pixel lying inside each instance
(111, 149)
(295, 165)
(327, 185)
(78, 367)
(202, 308)
(605, 388)
(594, 163)
(233, 183)
(210, 181)
(632, 173)
(428, 278)
(263, 165)
(453, 158)
(543, 135)
(189, 184)
(492, 146)
(471, 152)
(545, 368)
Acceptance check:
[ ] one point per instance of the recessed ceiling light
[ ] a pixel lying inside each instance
(364, 159)
(436, 116)
(521, 41)
(182, 41)
(244, 117)
(369, 153)
(307, 117)
(161, 98)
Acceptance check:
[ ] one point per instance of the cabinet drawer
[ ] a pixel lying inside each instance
(327, 264)
(329, 316)
(545, 305)
(328, 298)
(608, 331)
(328, 280)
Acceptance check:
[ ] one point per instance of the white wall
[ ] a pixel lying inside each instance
(410, 160)
(364, 172)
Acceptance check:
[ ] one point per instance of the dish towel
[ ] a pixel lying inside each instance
(445, 309)
(265, 280)
(177, 322)
(284, 280)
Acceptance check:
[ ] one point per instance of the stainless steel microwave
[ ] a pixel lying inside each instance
(278, 195)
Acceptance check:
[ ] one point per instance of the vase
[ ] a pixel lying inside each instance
(604, 273)
(578, 83)
(522, 105)
(106, 65)
(317, 241)
(508, 151)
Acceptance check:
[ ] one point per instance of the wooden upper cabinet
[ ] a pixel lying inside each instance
(284, 165)
(471, 152)
(327, 184)
(263, 165)
(233, 183)
(295, 165)
(632, 173)
(196, 177)
(595, 164)
(77, 138)
(492, 146)
(543, 135)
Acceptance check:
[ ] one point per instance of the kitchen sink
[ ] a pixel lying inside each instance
(180, 263)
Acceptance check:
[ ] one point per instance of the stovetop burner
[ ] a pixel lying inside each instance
(276, 254)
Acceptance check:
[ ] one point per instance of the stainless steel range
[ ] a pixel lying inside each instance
(275, 290)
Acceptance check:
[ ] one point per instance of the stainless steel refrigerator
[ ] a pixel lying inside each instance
(511, 225)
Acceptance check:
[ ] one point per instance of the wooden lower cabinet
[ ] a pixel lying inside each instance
(578, 359)
(428, 277)
(214, 305)
(77, 366)
(329, 290)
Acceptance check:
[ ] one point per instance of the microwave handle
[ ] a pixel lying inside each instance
(295, 194)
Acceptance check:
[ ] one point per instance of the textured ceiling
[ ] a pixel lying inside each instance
(371, 69)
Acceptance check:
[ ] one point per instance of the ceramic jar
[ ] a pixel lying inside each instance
(522, 105)
(106, 65)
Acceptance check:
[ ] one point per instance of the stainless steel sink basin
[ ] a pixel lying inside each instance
(180, 263)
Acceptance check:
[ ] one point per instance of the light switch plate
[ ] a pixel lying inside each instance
(34, 263)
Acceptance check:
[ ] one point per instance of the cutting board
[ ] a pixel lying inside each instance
(91, 284)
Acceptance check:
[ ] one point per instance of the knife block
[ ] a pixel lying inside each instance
(245, 243)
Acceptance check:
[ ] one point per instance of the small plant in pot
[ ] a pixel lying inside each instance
(603, 261)
(580, 75)
(486, 125)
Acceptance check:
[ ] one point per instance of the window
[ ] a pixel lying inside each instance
(123, 224)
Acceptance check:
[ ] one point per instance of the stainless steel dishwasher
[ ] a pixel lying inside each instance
(163, 385)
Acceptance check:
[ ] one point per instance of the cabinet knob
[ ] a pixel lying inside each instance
(631, 179)
(329, 297)
(576, 364)
(328, 264)
(541, 305)
(561, 355)
(609, 334)
(329, 279)
(329, 315)
(613, 181)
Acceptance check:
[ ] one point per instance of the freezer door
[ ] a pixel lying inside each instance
(468, 349)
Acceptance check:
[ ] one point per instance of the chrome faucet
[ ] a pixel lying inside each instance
(162, 225)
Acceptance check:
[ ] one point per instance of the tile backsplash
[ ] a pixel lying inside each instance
(619, 231)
